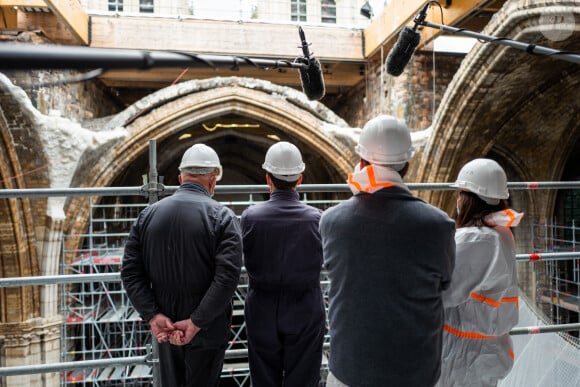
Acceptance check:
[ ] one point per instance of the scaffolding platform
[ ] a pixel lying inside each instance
(568, 302)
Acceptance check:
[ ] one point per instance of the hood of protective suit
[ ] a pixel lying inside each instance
(506, 218)
(372, 178)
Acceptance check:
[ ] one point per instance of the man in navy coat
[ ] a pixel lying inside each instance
(284, 310)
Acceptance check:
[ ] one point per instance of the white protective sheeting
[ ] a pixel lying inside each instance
(544, 359)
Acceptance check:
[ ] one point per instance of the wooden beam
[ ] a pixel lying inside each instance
(72, 14)
(9, 13)
(224, 37)
(452, 15)
(8, 18)
(23, 3)
(50, 25)
(384, 30)
(335, 76)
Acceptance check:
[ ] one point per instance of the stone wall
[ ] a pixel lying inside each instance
(50, 93)
(79, 101)
(409, 96)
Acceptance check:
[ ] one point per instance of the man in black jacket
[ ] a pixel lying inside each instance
(180, 269)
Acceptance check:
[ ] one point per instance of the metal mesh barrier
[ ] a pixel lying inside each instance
(543, 360)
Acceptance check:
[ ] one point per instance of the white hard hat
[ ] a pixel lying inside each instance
(485, 178)
(284, 161)
(385, 140)
(200, 159)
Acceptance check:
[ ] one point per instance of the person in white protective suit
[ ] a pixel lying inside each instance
(481, 305)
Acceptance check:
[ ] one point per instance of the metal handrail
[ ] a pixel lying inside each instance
(146, 189)
(102, 277)
(152, 189)
(533, 330)
(125, 361)
(73, 365)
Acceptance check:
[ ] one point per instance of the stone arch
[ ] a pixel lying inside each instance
(17, 252)
(171, 111)
(22, 165)
(521, 108)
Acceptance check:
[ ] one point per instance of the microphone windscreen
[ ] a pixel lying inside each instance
(312, 79)
(402, 51)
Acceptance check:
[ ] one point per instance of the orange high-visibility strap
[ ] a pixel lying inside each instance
(511, 216)
(512, 355)
(485, 300)
(354, 183)
(473, 335)
(467, 335)
(511, 299)
(373, 181)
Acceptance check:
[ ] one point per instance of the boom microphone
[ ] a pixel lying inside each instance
(405, 46)
(311, 75)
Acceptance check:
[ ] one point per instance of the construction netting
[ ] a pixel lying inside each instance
(543, 360)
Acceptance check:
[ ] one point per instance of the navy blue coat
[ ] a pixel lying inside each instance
(282, 246)
(284, 309)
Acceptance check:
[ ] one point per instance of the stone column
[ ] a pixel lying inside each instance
(51, 250)
(33, 342)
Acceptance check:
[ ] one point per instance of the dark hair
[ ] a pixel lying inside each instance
(473, 210)
(282, 184)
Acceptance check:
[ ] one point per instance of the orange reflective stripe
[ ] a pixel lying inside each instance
(512, 355)
(351, 181)
(511, 216)
(511, 299)
(467, 335)
(486, 300)
(373, 181)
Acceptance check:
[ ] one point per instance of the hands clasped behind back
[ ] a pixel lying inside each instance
(178, 333)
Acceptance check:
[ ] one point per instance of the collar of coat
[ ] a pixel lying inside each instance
(284, 194)
(192, 186)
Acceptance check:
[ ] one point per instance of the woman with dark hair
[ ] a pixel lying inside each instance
(481, 305)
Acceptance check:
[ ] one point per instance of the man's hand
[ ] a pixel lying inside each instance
(185, 331)
(162, 327)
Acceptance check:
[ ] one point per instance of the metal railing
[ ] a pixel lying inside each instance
(150, 358)
(161, 189)
(153, 190)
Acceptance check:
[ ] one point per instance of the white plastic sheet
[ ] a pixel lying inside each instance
(544, 359)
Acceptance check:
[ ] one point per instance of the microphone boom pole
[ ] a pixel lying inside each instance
(533, 49)
(30, 57)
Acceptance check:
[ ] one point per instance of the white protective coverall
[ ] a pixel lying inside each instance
(481, 305)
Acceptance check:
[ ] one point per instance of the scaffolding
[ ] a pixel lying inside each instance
(101, 323)
(558, 282)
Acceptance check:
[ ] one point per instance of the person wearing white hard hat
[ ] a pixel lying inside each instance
(180, 268)
(481, 306)
(284, 310)
(389, 257)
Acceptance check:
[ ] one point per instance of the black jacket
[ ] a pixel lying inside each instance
(183, 258)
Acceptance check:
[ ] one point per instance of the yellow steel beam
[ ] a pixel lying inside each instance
(384, 29)
(73, 15)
